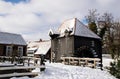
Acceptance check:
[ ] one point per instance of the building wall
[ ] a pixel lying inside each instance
(1, 50)
(25, 50)
(70, 45)
(63, 47)
(66, 46)
(91, 43)
(98, 47)
(54, 47)
(81, 45)
(15, 48)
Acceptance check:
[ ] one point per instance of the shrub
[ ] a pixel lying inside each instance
(115, 68)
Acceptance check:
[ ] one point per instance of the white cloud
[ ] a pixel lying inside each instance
(105, 2)
(33, 19)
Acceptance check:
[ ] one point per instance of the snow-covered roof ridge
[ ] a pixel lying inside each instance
(77, 28)
(11, 38)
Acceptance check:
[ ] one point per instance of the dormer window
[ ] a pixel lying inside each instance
(50, 32)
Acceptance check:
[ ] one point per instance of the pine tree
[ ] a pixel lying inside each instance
(92, 26)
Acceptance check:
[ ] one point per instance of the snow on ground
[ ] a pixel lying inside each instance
(61, 71)
(106, 62)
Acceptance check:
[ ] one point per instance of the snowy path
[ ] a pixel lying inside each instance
(60, 71)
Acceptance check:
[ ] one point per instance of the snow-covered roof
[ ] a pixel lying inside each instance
(77, 28)
(33, 44)
(43, 47)
(32, 49)
(9, 38)
(51, 32)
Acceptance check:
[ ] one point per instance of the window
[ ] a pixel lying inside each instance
(93, 43)
(8, 50)
(20, 51)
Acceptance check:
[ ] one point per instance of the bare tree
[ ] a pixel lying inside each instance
(107, 29)
(92, 16)
(116, 39)
(92, 19)
(106, 20)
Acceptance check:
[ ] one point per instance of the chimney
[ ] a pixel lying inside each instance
(40, 40)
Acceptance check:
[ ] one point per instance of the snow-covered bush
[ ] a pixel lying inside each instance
(115, 68)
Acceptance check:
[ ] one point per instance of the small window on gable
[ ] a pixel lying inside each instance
(20, 51)
(9, 51)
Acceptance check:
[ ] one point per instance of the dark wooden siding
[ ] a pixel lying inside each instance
(66, 46)
(98, 47)
(70, 46)
(62, 47)
(1, 50)
(54, 47)
(48, 55)
(87, 42)
(15, 48)
(24, 50)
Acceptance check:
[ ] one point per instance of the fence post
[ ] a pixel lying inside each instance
(28, 61)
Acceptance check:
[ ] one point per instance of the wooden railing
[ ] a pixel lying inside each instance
(19, 63)
(87, 62)
(19, 60)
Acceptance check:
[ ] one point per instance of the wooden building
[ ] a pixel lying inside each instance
(38, 48)
(12, 44)
(74, 39)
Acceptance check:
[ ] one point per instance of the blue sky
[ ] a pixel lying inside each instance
(16, 1)
(34, 18)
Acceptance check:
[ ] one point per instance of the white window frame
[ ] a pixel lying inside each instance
(20, 51)
(9, 50)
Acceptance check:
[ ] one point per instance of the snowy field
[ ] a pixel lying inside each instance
(61, 71)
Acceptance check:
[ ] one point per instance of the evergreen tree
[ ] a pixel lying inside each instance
(92, 26)
(102, 32)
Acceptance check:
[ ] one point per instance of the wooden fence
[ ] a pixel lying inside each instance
(19, 63)
(19, 60)
(86, 62)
